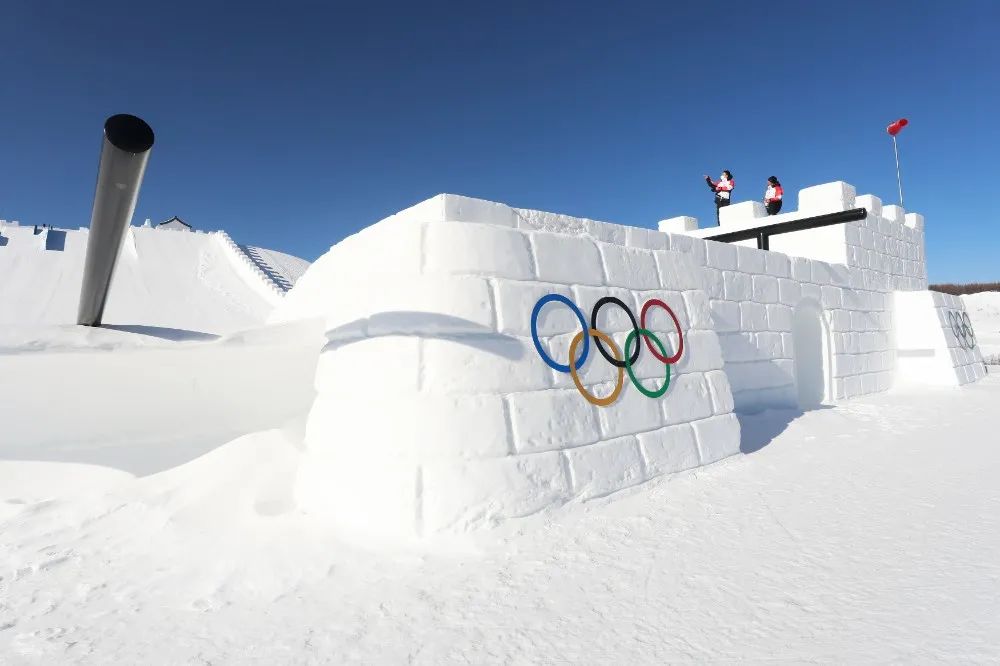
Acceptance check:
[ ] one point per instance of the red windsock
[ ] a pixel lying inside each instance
(896, 127)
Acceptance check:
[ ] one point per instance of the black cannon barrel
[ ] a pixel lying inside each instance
(124, 154)
(763, 233)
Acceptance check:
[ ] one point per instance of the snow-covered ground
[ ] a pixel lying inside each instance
(862, 533)
(144, 399)
(147, 514)
(984, 311)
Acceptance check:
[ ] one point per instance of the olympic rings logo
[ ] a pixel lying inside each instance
(961, 326)
(624, 362)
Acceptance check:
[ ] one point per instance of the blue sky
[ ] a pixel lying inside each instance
(292, 125)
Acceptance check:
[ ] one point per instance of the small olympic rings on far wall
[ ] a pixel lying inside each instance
(623, 361)
(961, 326)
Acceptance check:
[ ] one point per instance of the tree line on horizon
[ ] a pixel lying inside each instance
(960, 289)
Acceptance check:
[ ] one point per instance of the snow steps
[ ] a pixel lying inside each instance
(272, 286)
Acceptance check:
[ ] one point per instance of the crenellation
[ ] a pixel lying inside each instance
(914, 221)
(893, 215)
(680, 224)
(829, 197)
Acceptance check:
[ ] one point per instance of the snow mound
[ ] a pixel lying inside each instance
(155, 402)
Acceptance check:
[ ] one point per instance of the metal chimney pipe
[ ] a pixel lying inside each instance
(124, 154)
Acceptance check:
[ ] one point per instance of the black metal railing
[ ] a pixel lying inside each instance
(763, 234)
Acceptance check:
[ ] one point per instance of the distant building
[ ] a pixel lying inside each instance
(176, 224)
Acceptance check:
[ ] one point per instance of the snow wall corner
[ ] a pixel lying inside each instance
(935, 341)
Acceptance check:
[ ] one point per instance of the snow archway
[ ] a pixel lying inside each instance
(812, 351)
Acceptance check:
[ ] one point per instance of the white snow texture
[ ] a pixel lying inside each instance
(239, 470)
(432, 365)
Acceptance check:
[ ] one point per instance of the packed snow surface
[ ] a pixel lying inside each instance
(865, 532)
(143, 399)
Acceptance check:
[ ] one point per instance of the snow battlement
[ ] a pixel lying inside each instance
(888, 245)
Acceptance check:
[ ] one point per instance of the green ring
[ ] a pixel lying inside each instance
(628, 366)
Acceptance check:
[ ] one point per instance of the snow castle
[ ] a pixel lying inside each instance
(480, 362)
(485, 362)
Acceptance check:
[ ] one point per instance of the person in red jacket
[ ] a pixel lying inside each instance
(723, 191)
(772, 196)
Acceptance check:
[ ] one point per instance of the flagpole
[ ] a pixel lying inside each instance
(899, 180)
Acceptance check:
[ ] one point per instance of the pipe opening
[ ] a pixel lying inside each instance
(129, 133)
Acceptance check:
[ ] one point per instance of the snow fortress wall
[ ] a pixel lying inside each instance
(436, 412)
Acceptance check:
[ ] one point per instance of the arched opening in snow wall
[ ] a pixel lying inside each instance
(812, 350)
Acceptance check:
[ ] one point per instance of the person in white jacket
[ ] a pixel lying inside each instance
(723, 189)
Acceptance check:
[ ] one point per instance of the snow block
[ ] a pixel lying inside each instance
(678, 271)
(466, 209)
(601, 469)
(914, 221)
(514, 317)
(744, 211)
(567, 259)
(629, 267)
(493, 251)
(551, 420)
(718, 437)
(676, 225)
(725, 316)
(870, 203)
(633, 413)
(689, 400)
(894, 215)
(827, 198)
(750, 259)
(668, 450)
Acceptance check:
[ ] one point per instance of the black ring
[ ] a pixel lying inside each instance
(129, 133)
(956, 330)
(635, 325)
(967, 323)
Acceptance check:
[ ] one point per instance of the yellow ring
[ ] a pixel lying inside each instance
(589, 397)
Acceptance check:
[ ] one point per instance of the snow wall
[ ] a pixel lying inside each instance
(436, 411)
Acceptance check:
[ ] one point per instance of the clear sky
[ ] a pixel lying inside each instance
(293, 125)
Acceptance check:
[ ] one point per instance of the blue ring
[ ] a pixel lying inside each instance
(548, 298)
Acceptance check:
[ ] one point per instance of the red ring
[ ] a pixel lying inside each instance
(642, 321)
